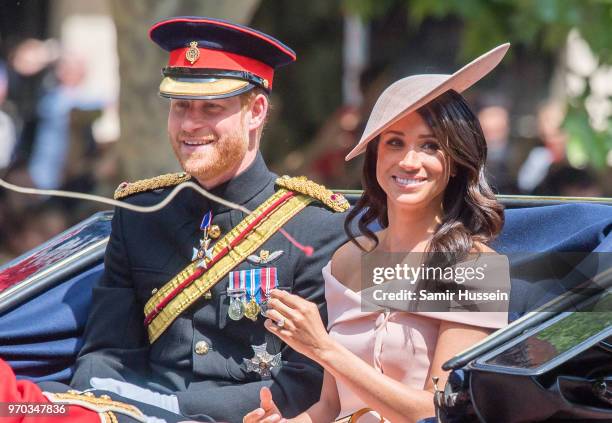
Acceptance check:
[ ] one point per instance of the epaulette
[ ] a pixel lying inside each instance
(126, 189)
(303, 185)
(104, 405)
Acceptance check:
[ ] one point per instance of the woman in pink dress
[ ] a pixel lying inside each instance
(424, 184)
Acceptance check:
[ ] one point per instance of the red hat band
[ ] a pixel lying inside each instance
(203, 58)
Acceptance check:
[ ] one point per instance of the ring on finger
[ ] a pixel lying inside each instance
(280, 322)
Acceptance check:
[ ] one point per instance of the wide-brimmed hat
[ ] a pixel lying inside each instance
(408, 94)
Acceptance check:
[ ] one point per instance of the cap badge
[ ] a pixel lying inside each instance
(193, 53)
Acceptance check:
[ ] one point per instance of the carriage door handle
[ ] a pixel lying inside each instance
(603, 389)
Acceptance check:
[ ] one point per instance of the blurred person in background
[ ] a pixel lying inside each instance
(542, 159)
(60, 128)
(29, 64)
(567, 181)
(8, 135)
(494, 119)
(48, 162)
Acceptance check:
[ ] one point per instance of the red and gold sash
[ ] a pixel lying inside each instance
(245, 238)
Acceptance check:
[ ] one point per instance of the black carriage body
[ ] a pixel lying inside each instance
(545, 366)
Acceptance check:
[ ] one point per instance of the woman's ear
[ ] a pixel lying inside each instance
(452, 168)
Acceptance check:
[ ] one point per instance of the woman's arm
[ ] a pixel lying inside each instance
(324, 411)
(328, 407)
(453, 338)
(304, 332)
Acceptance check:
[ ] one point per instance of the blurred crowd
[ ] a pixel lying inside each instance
(52, 136)
(526, 155)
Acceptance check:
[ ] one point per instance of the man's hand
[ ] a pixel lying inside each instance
(267, 412)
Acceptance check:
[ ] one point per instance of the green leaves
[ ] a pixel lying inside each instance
(542, 25)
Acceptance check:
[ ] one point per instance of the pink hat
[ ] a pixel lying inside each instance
(408, 94)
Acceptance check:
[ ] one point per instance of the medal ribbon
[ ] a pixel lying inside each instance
(206, 221)
(269, 275)
(251, 275)
(236, 282)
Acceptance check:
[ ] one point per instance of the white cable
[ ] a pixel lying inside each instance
(147, 209)
(122, 204)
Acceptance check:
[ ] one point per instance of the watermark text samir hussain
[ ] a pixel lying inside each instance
(460, 295)
(408, 282)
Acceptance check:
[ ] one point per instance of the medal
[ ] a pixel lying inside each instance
(237, 292)
(214, 231)
(204, 252)
(263, 307)
(236, 309)
(252, 309)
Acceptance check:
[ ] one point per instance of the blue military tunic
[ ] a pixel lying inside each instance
(200, 358)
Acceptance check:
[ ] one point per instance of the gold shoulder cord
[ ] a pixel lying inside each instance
(303, 185)
(125, 189)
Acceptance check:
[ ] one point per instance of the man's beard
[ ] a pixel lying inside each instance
(219, 157)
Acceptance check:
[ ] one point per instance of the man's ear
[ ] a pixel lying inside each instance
(259, 111)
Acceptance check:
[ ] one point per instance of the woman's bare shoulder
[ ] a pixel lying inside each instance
(479, 247)
(483, 253)
(346, 261)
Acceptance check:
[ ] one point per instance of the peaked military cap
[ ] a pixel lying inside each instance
(213, 58)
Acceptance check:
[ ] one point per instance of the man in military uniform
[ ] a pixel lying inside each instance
(176, 321)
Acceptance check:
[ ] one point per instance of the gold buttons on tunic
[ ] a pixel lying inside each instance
(202, 348)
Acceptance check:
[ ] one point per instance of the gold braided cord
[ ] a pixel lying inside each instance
(251, 242)
(227, 239)
(109, 417)
(126, 189)
(303, 185)
(101, 404)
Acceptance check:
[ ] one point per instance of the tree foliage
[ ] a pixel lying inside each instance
(541, 26)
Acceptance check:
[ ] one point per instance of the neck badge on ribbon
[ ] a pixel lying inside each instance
(262, 362)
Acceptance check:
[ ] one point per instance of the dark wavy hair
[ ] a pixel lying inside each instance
(471, 213)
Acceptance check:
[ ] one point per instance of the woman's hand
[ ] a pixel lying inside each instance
(298, 323)
(267, 412)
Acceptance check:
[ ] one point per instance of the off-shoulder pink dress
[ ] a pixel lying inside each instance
(397, 343)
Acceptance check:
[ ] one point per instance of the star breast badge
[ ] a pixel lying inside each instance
(262, 362)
